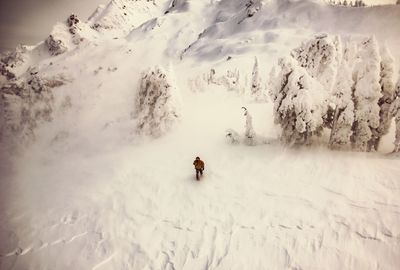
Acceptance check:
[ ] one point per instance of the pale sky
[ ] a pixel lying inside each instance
(30, 21)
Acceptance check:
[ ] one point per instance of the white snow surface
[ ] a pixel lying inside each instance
(90, 193)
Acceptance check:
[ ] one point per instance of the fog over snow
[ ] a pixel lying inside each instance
(294, 107)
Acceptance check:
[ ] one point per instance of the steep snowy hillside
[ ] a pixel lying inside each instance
(100, 124)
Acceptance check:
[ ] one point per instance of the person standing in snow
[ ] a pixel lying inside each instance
(199, 167)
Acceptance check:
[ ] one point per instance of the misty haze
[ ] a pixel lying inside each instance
(199, 134)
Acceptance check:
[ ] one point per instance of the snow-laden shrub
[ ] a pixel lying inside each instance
(157, 106)
(299, 102)
(367, 93)
(232, 136)
(231, 81)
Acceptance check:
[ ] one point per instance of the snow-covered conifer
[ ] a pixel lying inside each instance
(157, 103)
(367, 94)
(256, 91)
(343, 118)
(395, 112)
(299, 102)
(387, 84)
(320, 56)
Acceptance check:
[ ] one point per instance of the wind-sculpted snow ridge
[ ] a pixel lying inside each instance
(233, 30)
(121, 16)
(103, 176)
(210, 29)
(115, 20)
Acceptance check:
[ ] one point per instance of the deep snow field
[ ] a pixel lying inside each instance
(89, 193)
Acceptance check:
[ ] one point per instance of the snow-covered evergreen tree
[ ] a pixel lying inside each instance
(320, 56)
(157, 103)
(343, 117)
(255, 91)
(395, 112)
(357, 79)
(367, 94)
(249, 134)
(299, 102)
(387, 84)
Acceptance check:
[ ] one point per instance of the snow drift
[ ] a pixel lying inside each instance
(83, 186)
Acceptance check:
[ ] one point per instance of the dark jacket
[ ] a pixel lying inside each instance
(198, 164)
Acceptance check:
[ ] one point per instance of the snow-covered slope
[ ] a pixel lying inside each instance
(81, 189)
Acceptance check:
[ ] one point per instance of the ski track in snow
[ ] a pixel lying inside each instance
(255, 208)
